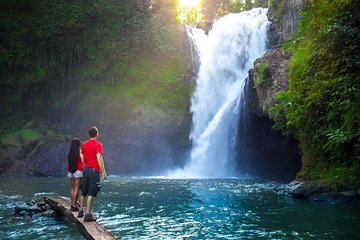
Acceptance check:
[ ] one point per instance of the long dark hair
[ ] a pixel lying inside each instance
(73, 154)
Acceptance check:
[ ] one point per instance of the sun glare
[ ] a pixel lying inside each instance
(189, 3)
(189, 11)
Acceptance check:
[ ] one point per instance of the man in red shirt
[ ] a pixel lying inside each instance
(92, 151)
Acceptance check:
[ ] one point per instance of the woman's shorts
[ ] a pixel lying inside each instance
(77, 174)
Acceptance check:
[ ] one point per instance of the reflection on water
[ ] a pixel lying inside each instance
(155, 208)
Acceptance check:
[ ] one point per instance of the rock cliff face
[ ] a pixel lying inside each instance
(270, 73)
(45, 158)
(284, 16)
(49, 159)
(269, 77)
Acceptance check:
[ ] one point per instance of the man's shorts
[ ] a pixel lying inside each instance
(90, 184)
(77, 174)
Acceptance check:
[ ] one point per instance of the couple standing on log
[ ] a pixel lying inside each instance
(85, 165)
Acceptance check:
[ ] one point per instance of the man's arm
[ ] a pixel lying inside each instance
(100, 161)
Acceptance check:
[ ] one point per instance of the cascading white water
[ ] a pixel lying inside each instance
(225, 56)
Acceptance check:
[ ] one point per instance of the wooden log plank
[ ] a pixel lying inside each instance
(90, 230)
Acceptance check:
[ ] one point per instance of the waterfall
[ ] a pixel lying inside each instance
(225, 56)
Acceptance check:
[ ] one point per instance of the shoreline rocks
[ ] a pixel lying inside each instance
(318, 192)
(33, 208)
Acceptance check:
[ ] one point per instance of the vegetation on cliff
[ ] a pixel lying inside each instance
(321, 107)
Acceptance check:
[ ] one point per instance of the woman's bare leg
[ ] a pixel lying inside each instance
(72, 191)
(76, 189)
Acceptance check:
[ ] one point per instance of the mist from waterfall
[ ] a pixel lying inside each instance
(225, 56)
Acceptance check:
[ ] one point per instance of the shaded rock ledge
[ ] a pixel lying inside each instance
(318, 192)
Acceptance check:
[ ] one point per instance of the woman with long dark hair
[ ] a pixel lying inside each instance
(75, 171)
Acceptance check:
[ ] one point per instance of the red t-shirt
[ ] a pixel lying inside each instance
(80, 165)
(89, 150)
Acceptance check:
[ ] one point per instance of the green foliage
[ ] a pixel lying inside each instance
(261, 3)
(61, 58)
(263, 76)
(278, 111)
(215, 9)
(322, 105)
(189, 14)
(248, 5)
(145, 83)
(29, 135)
(236, 6)
(335, 176)
(20, 137)
(52, 134)
(336, 138)
(278, 6)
